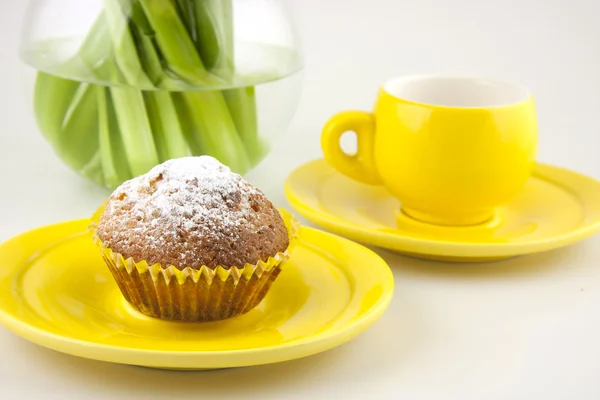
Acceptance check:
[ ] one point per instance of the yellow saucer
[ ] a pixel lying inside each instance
(56, 291)
(557, 207)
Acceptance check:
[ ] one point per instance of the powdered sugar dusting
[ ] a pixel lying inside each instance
(183, 202)
(188, 189)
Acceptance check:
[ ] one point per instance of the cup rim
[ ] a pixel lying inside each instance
(524, 94)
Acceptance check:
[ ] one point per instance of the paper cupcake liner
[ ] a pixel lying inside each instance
(190, 294)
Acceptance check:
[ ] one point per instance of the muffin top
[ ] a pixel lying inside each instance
(189, 212)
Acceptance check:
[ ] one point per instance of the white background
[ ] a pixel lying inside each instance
(527, 328)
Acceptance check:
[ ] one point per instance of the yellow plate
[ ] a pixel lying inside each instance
(56, 291)
(557, 207)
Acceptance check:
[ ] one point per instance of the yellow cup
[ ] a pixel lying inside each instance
(451, 149)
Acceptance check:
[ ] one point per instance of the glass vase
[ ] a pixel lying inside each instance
(122, 85)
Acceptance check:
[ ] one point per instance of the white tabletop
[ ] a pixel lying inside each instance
(526, 328)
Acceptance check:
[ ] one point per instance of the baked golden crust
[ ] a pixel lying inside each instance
(191, 212)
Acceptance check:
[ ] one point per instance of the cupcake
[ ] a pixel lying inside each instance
(192, 241)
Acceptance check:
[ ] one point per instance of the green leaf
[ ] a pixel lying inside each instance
(125, 52)
(52, 98)
(214, 35)
(77, 141)
(185, 9)
(175, 44)
(96, 51)
(210, 128)
(242, 106)
(93, 169)
(168, 134)
(136, 132)
(113, 159)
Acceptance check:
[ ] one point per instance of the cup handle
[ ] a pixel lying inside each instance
(361, 166)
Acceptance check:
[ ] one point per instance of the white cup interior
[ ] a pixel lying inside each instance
(456, 91)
